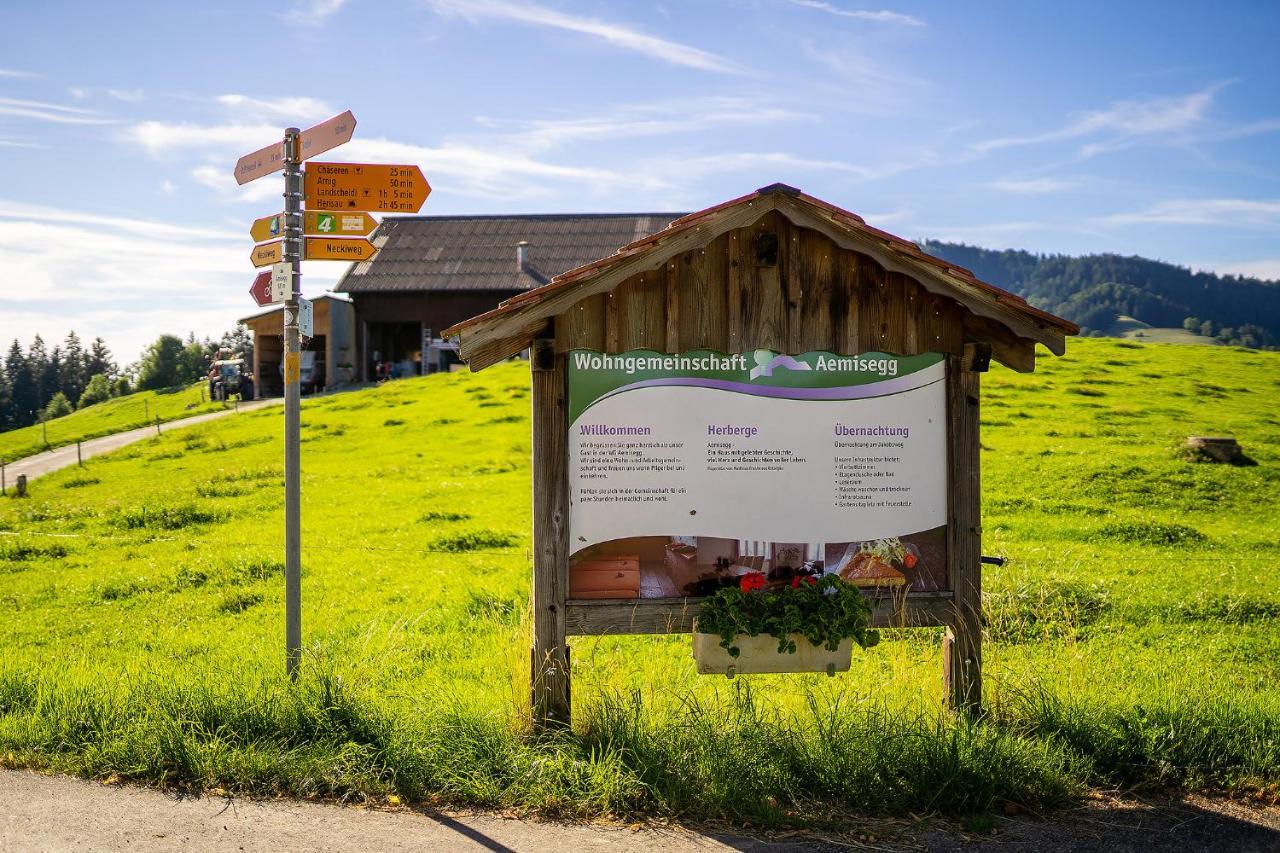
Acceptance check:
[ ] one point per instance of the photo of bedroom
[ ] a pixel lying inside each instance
(912, 563)
(684, 566)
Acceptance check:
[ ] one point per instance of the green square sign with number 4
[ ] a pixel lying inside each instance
(325, 223)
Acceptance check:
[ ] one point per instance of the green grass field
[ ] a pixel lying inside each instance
(110, 416)
(1132, 640)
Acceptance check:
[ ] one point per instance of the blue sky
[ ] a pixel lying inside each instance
(1141, 128)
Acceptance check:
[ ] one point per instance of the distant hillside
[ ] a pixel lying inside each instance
(1095, 290)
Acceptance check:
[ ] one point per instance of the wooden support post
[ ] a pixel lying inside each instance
(550, 657)
(22, 485)
(962, 648)
(79, 455)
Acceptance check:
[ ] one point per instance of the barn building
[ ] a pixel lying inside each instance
(333, 346)
(431, 272)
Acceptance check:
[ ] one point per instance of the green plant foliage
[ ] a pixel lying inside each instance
(825, 613)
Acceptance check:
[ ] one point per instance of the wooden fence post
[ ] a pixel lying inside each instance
(962, 647)
(549, 674)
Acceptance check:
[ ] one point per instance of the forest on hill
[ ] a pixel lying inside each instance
(1093, 290)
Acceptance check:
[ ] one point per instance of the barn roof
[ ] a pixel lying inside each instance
(279, 306)
(434, 253)
(510, 327)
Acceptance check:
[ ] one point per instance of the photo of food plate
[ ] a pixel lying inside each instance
(916, 562)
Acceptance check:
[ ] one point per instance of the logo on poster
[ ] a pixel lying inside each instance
(765, 365)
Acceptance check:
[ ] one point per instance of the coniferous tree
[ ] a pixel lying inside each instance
(24, 393)
(51, 376)
(38, 361)
(72, 377)
(100, 360)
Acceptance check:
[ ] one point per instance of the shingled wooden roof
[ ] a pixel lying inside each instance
(1012, 325)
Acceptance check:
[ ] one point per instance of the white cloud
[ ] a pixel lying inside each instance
(57, 113)
(15, 74)
(312, 13)
(1033, 186)
(248, 108)
(881, 16)
(124, 278)
(618, 35)
(18, 142)
(1123, 123)
(852, 63)
(680, 117)
(160, 137)
(132, 96)
(1226, 212)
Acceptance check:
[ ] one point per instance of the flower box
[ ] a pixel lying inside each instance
(760, 654)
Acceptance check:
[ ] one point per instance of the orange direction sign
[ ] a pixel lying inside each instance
(267, 228)
(311, 143)
(267, 254)
(324, 249)
(333, 223)
(361, 186)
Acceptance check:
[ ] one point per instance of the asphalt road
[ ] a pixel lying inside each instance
(63, 457)
(55, 813)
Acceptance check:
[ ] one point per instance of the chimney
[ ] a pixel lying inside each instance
(522, 255)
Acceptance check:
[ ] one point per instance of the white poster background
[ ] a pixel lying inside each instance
(798, 503)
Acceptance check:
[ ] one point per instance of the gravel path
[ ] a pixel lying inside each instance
(63, 457)
(56, 813)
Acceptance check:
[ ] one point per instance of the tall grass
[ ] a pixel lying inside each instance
(1131, 639)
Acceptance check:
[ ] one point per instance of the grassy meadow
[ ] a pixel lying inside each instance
(110, 416)
(1132, 637)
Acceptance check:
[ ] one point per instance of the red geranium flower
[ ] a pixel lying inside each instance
(752, 580)
(798, 579)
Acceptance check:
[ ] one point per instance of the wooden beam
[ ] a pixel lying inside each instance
(677, 615)
(673, 306)
(1010, 350)
(962, 651)
(791, 257)
(733, 296)
(549, 678)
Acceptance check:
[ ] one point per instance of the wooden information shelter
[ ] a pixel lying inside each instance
(773, 270)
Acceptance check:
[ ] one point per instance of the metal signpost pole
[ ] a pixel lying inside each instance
(292, 404)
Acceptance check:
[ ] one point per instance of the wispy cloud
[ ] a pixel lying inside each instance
(15, 74)
(114, 274)
(882, 16)
(56, 113)
(162, 137)
(132, 96)
(853, 64)
(1224, 212)
(1033, 186)
(1123, 123)
(618, 35)
(671, 118)
(18, 142)
(312, 13)
(246, 107)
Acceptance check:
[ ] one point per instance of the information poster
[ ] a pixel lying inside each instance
(689, 471)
